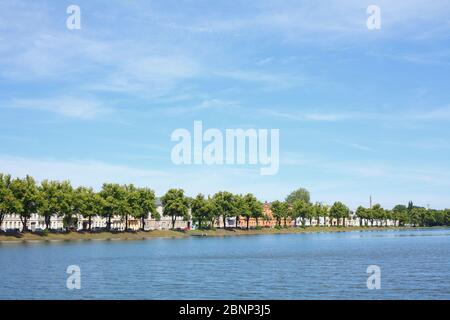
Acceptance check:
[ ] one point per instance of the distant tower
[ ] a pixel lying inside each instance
(370, 202)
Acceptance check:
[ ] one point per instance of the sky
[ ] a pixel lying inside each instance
(360, 112)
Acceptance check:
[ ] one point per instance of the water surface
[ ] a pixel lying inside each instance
(415, 264)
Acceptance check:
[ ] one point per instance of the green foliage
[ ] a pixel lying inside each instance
(175, 204)
(302, 209)
(319, 210)
(203, 210)
(8, 202)
(25, 191)
(280, 211)
(225, 204)
(299, 194)
(339, 211)
(24, 197)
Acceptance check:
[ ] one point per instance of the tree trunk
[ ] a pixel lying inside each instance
(126, 222)
(24, 223)
(257, 224)
(142, 222)
(47, 221)
(174, 219)
(224, 221)
(90, 223)
(108, 223)
(303, 222)
(248, 220)
(237, 221)
(318, 221)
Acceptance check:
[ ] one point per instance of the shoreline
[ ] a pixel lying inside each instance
(164, 234)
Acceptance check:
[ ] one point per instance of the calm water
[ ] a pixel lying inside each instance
(414, 265)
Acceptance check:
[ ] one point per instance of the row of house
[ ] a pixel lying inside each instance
(36, 222)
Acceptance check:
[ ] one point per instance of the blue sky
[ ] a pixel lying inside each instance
(361, 112)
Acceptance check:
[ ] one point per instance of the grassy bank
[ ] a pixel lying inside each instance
(92, 236)
(175, 234)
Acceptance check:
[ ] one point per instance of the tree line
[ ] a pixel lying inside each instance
(24, 197)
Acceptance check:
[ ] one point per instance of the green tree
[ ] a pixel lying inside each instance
(400, 214)
(377, 213)
(339, 211)
(225, 203)
(88, 204)
(66, 204)
(113, 201)
(8, 203)
(363, 214)
(146, 205)
(48, 200)
(417, 215)
(175, 205)
(130, 203)
(201, 210)
(256, 207)
(319, 210)
(279, 210)
(26, 192)
(252, 208)
(301, 209)
(242, 206)
(299, 194)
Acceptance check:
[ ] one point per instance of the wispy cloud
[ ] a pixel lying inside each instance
(204, 106)
(270, 80)
(440, 114)
(311, 116)
(67, 106)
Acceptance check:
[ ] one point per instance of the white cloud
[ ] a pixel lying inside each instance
(67, 106)
(205, 105)
(311, 116)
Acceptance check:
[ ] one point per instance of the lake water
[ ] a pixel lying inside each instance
(414, 265)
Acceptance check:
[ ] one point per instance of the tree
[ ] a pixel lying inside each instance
(25, 191)
(8, 203)
(48, 200)
(319, 210)
(363, 214)
(88, 204)
(256, 207)
(279, 210)
(66, 208)
(339, 211)
(130, 203)
(252, 208)
(243, 209)
(146, 205)
(238, 208)
(114, 201)
(175, 205)
(377, 213)
(299, 194)
(301, 209)
(201, 210)
(400, 214)
(416, 215)
(225, 204)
